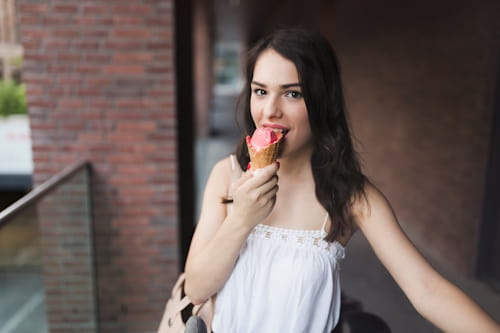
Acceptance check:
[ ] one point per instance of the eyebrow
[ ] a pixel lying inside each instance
(283, 86)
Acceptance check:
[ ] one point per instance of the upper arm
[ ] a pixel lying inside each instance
(404, 262)
(213, 211)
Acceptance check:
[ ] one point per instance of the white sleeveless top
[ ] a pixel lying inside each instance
(284, 280)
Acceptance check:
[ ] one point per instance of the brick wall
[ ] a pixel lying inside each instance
(419, 81)
(100, 85)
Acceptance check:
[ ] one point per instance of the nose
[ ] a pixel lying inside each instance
(272, 107)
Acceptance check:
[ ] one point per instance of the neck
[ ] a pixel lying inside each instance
(298, 167)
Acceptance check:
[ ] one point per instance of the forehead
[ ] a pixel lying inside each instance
(272, 68)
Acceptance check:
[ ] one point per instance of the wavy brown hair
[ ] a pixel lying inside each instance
(337, 174)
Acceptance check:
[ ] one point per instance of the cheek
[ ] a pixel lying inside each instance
(255, 110)
(303, 119)
(301, 115)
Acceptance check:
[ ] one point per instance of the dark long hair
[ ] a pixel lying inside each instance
(337, 174)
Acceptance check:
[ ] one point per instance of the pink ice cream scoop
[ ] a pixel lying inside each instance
(263, 137)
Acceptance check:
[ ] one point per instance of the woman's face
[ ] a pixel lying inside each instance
(276, 101)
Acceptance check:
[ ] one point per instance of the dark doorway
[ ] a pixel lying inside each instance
(185, 124)
(489, 251)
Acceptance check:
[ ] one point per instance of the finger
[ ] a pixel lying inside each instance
(241, 180)
(262, 176)
(267, 186)
(271, 194)
(256, 189)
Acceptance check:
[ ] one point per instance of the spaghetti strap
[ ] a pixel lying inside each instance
(235, 168)
(235, 174)
(324, 223)
(233, 162)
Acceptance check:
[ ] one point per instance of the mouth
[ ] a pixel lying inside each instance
(278, 128)
(283, 131)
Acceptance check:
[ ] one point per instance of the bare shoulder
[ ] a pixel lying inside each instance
(372, 203)
(219, 179)
(222, 167)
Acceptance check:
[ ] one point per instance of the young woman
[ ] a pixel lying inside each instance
(271, 255)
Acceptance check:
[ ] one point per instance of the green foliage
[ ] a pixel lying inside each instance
(12, 98)
(17, 62)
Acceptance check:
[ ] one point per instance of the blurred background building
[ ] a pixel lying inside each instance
(144, 93)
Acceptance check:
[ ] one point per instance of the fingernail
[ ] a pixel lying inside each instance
(278, 162)
(249, 166)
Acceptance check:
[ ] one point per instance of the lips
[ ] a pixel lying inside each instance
(277, 128)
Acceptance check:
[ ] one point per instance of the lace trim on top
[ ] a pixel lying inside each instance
(313, 238)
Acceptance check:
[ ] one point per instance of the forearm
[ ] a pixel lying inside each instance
(208, 270)
(447, 307)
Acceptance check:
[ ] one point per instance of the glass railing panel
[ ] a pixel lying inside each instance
(22, 298)
(50, 242)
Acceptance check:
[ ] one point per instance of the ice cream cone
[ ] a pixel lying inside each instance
(265, 155)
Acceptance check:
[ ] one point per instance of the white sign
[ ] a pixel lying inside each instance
(15, 146)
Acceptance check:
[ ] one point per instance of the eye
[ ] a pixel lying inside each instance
(293, 94)
(259, 92)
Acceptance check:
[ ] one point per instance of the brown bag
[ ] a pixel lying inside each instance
(179, 306)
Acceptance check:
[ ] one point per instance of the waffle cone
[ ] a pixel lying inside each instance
(265, 156)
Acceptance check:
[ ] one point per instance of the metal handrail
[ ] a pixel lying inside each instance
(41, 191)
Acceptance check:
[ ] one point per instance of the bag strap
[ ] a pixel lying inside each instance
(179, 283)
(185, 301)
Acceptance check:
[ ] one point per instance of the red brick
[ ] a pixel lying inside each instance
(33, 8)
(132, 9)
(66, 33)
(33, 33)
(86, 44)
(100, 82)
(85, 20)
(56, 20)
(65, 115)
(125, 137)
(131, 33)
(68, 57)
(69, 102)
(90, 138)
(124, 44)
(95, 9)
(101, 103)
(40, 103)
(29, 20)
(163, 22)
(136, 170)
(159, 69)
(127, 20)
(145, 126)
(57, 44)
(97, 58)
(89, 92)
(132, 103)
(159, 46)
(87, 69)
(95, 33)
(69, 80)
(123, 70)
(64, 9)
(124, 115)
(132, 57)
